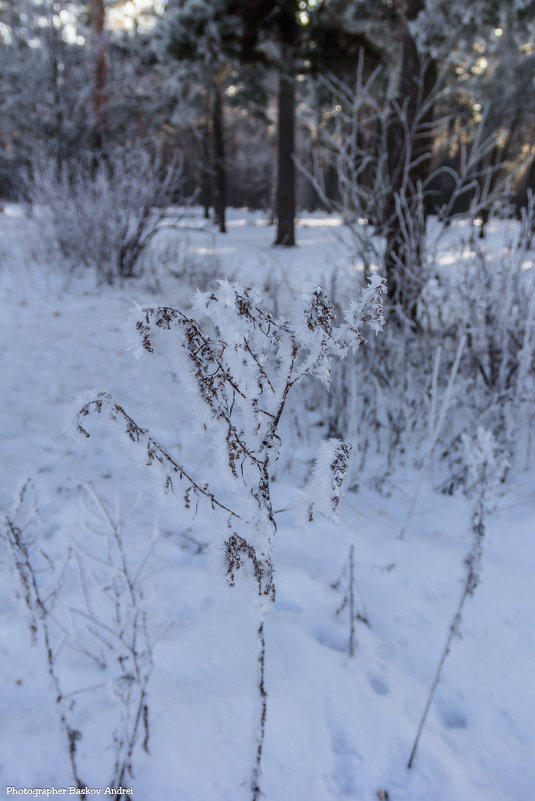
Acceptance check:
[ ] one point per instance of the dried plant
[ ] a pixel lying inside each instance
(21, 530)
(91, 604)
(486, 468)
(114, 616)
(349, 600)
(239, 363)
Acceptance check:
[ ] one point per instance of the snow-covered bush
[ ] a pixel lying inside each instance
(482, 298)
(104, 212)
(497, 301)
(389, 415)
(238, 364)
(489, 297)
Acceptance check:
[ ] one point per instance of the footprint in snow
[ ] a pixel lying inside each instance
(331, 638)
(345, 759)
(284, 605)
(378, 685)
(451, 716)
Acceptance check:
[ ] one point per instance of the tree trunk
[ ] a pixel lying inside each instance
(205, 173)
(100, 74)
(286, 128)
(219, 159)
(409, 146)
(286, 166)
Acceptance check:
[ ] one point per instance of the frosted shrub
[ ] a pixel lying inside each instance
(105, 213)
(494, 303)
(385, 203)
(485, 301)
(238, 364)
(486, 468)
(497, 300)
(387, 416)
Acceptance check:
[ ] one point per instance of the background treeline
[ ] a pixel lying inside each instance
(244, 89)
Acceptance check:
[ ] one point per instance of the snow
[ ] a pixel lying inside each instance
(337, 727)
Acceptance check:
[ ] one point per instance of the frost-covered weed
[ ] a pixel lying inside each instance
(324, 491)
(486, 466)
(347, 582)
(40, 584)
(87, 608)
(238, 364)
(486, 469)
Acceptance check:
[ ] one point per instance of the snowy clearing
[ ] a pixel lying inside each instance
(338, 727)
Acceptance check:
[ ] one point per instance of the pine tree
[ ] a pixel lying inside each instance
(202, 36)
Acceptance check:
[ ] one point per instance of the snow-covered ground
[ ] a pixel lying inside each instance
(338, 727)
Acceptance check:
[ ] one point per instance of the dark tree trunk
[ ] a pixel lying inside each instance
(286, 127)
(286, 166)
(409, 146)
(219, 160)
(100, 74)
(529, 186)
(205, 173)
